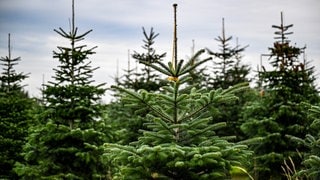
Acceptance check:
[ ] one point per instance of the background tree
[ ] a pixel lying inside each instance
(125, 122)
(66, 145)
(228, 71)
(15, 115)
(279, 113)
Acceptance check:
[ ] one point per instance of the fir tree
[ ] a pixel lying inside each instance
(15, 116)
(67, 144)
(279, 113)
(10, 79)
(228, 69)
(178, 142)
(145, 78)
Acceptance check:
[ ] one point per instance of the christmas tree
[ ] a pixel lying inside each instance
(279, 113)
(66, 145)
(178, 141)
(15, 115)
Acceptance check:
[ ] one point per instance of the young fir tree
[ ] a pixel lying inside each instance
(229, 71)
(67, 144)
(145, 78)
(14, 115)
(311, 160)
(178, 143)
(198, 75)
(279, 113)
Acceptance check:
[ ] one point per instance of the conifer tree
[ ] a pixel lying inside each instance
(67, 143)
(279, 113)
(15, 117)
(311, 160)
(145, 78)
(178, 142)
(229, 71)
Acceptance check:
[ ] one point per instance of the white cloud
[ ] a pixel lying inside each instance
(117, 27)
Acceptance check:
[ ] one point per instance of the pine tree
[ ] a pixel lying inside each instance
(178, 142)
(15, 117)
(67, 144)
(279, 113)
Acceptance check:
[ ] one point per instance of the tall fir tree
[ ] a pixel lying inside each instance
(67, 143)
(279, 113)
(15, 117)
(178, 142)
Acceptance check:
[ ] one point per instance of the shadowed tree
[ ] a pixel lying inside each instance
(66, 145)
(15, 116)
(279, 114)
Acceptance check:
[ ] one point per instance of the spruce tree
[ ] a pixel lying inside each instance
(15, 117)
(67, 143)
(279, 113)
(178, 142)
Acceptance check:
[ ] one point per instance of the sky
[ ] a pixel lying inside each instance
(117, 30)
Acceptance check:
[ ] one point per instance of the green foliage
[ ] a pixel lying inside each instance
(279, 114)
(15, 115)
(311, 160)
(145, 78)
(228, 69)
(178, 142)
(56, 152)
(67, 142)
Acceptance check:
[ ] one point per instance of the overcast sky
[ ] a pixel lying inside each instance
(117, 28)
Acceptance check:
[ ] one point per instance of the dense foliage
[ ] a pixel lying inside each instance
(169, 120)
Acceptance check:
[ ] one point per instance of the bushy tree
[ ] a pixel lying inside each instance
(178, 142)
(279, 113)
(15, 115)
(66, 145)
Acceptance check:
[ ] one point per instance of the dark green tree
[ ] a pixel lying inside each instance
(15, 115)
(66, 145)
(228, 69)
(279, 113)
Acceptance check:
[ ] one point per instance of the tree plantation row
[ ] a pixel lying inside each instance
(199, 122)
